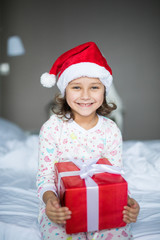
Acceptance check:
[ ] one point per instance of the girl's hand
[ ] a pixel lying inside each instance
(54, 211)
(131, 211)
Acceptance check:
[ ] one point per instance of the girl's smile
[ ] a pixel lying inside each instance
(84, 104)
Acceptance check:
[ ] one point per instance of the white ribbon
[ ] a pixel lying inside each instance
(86, 172)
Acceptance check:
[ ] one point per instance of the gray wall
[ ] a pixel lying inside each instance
(128, 34)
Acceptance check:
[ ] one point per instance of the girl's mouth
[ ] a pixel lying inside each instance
(84, 104)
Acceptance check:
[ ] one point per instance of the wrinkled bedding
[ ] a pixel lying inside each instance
(18, 197)
(142, 171)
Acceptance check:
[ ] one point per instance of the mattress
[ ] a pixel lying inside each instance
(18, 169)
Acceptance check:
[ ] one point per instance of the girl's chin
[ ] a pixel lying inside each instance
(84, 113)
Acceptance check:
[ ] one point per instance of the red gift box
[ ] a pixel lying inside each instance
(90, 213)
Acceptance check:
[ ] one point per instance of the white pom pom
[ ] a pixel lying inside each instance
(48, 80)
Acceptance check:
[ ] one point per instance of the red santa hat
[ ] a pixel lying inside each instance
(84, 60)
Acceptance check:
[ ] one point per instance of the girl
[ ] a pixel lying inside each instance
(78, 130)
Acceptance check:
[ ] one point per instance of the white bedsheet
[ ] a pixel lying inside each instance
(16, 232)
(142, 171)
(18, 201)
(18, 197)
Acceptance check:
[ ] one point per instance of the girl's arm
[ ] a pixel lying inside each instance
(45, 178)
(131, 211)
(47, 158)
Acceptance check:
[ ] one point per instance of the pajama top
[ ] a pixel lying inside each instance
(66, 140)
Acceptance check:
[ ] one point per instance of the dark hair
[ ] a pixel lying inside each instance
(62, 109)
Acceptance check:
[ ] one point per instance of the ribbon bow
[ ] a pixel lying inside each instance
(88, 170)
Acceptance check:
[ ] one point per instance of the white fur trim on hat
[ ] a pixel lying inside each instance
(84, 69)
(48, 80)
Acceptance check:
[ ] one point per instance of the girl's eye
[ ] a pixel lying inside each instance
(76, 87)
(95, 87)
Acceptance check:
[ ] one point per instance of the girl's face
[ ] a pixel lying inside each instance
(84, 96)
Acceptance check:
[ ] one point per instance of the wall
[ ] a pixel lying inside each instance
(128, 34)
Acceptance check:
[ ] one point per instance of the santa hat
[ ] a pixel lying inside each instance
(84, 60)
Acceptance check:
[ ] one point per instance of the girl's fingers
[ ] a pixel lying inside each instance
(60, 210)
(128, 220)
(129, 216)
(132, 210)
(59, 215)
(59, 220)
(53, 206)
(130, 213)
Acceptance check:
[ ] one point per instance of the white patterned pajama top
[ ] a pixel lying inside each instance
(65, 140)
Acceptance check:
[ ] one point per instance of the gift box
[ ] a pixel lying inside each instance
(96, 202)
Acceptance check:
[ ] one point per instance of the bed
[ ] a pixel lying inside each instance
(18, 197)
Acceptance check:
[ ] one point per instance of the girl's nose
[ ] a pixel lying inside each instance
(85, 94)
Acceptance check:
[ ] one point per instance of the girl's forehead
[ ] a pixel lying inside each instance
(82, 80)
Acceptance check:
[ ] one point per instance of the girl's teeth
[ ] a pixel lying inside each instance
(85, 104)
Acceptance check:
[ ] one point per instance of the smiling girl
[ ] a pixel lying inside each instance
(78, 130)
